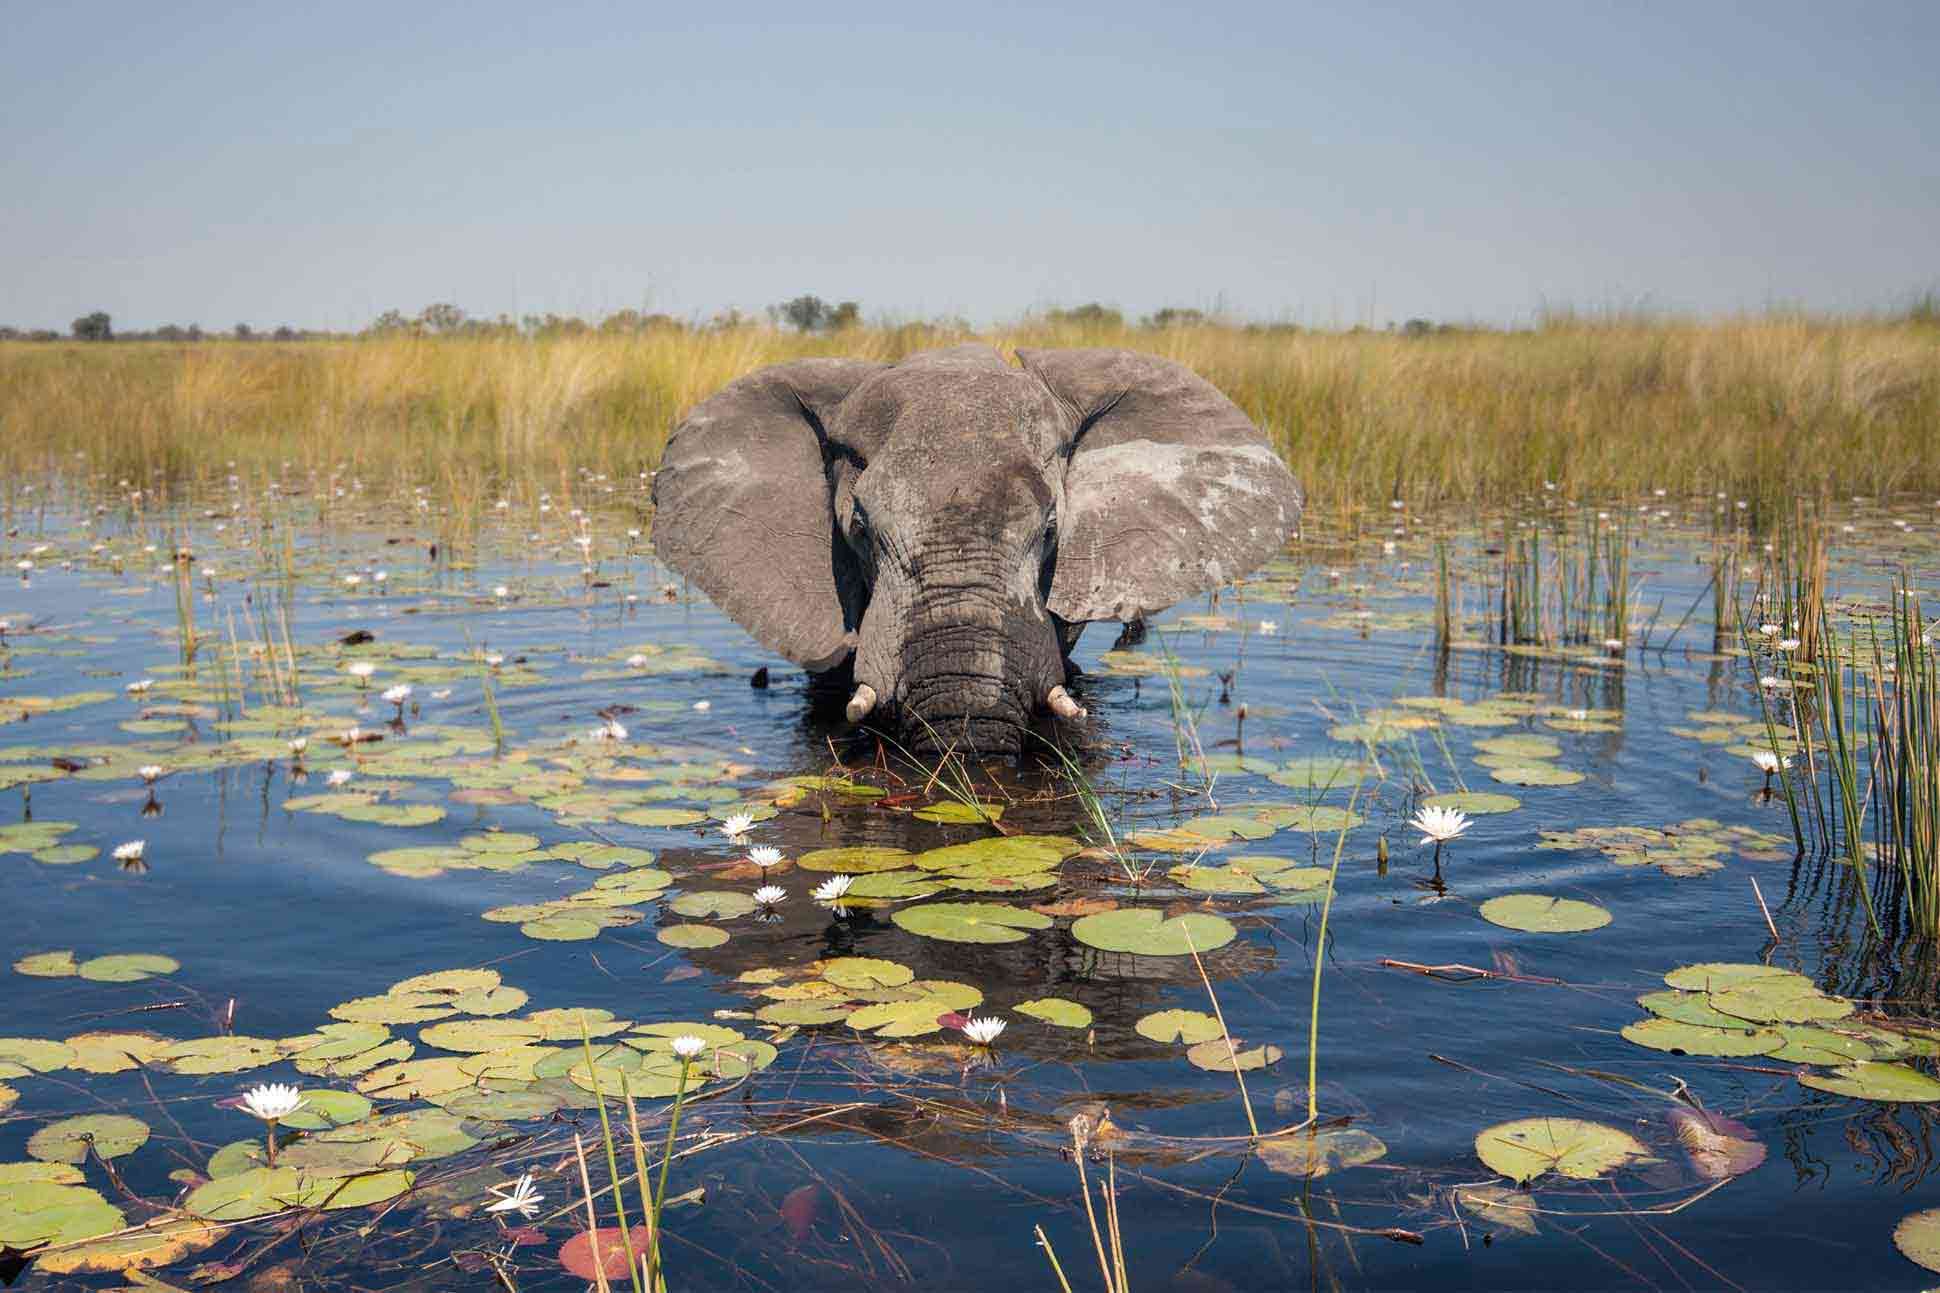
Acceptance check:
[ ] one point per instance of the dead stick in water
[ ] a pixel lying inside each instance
(1767, 911)
(1437, 971)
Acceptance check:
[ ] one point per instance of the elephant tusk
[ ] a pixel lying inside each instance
(1060, 703)
(861, 703)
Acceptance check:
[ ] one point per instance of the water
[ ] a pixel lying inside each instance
(854, 1161)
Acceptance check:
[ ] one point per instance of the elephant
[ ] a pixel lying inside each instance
(935, 533)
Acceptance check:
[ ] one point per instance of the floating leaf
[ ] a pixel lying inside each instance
(1874, 1080)
(1000, 855)
(1717, 976)
(692, 936)
(1224, 826)
(1218, 1057)
(324, 1109)
(866, 972)
(111, 1135)
(161, 1242)
(471, 1035)
(1718, 1147)
(1512, 1210)
(1693, 1039)
(1474, 801)
(562, 929)
(1530, 1147)
(1318, 818)
(245, 1196)
(1535, 774)
(1056, 1011)
(1316, 1153)
(1688, 1008)
(970, 922)
(714, 904)
(1188, 1026)
(49, 965)
(615, 1258)
(854, 861)
(128, 967)
(1147, 932)
(1917, 1236)
(954, 811)
(229, 1054)
(1538, 913)
(1777, 1000)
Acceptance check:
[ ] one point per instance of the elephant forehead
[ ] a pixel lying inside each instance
(952, 413)
(924, 493)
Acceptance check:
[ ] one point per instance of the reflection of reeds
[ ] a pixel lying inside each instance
(1765, 408)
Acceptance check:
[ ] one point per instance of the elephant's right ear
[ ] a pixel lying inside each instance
(741, 506)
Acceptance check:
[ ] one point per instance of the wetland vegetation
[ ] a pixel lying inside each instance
(1530, 878)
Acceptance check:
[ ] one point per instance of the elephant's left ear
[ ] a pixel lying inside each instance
(1170, 490)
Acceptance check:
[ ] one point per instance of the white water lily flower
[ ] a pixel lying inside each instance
(833, 888)
(1771, 683)
(340, 777)
(380, 576)
(351, 581)
(360, 668)
(518, 1197)
(1788, 644)
(608, 731)
(501, 592)
(493, 659)
(687, 1046)
(983, 1031)
(702, 706)
(1439, 825)
(399, 694)
(1613, 644)
(764, 855)
(140, 686)
(443, 693)
(737, 825)
(1768, 763)
(131, 851)
(1269, 627)
(636, 661)
(1578, 715)
(299, 744)
(1768, 630)
(770, 894)
(149, 772)
(273, 1101)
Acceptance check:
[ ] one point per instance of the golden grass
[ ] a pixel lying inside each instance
(1765, 408)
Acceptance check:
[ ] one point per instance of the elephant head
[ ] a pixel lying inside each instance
(947, 524)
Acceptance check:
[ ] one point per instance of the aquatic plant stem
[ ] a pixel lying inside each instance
(666, 1161)
(1763, 909)
(640, 1177)
(1232, 1052)
(1091, 1216)
(1320, 956)
(612, 1160)
(592, 1218)
(1051, 1256)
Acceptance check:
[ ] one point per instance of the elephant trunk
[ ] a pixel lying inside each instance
(957, 660)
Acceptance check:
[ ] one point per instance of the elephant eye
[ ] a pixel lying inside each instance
(858, 517)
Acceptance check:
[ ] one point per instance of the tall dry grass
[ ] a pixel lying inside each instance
(1766, 408)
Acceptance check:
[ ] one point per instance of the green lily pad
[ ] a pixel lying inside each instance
(1315, 818)
(1776, 1000)
(111, 1135)
(1535, 774)
(323, 1109)
(1056, 1011)
(1322, 772)
(1188, 1026)
(1000, 855)
(1147, 932)
(1717, 976)
(48, 965)
(1224, 826)
(229, 1054)
(866, 972)
(561, 929)
(1217, 1057)
(970, 922)
(660, 817)
(1538, 913)
(1688, 1008)
(1694, 1039)
(66, 854)
(1531, 1147)
(1805, 1044)
(473, 1035)
(1872, 1080)
(247, 1195)
(954, 811)
(1474, 801)
(128, 967)
(692, 936)
(712, 904)
(854, 861)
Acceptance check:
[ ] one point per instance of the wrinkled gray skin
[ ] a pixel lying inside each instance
(946, 526)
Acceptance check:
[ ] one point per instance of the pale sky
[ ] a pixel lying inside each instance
(1331, 165)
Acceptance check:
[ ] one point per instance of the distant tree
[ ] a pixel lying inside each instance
(1092, 314)
(43, 334)
(441, 318)
(193, 332)
(285, 333)
(244, 332)
(390, 321)
(846, 315)
(804, 313)
(94, 327)
(1417, 328)
(10, 334)
(1175, 316)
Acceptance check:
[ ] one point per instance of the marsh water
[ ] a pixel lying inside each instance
(573, 711)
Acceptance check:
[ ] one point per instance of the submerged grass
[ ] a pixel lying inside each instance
(1763, 407)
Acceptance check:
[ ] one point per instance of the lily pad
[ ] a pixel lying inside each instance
(1717, 976)
(110, 1134)
(1917, 1236)
(161, 1242)
(1535, 774)
(1538, 913)
(854, 861)
(692, 936)
(954, 811)
(970, 922)
(1218, 1057)
(1316, 1153)
(48, 965)
(1056, 1011)
(712, 904)
(866, 972)
(1146, 931)
(1188, 1026)
(1694, 1039)
(1474, 801)
(1874, 1080)
(128, 967)
(1531, 1147)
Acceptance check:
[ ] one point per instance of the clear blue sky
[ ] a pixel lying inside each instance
(316, 165)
